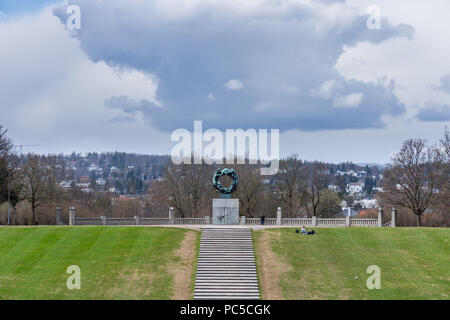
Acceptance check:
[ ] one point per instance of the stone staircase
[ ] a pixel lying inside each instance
(226, 265)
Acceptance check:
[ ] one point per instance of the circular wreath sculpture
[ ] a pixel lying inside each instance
(228, 172)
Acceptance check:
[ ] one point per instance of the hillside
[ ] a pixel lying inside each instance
(115, 262)
(414, 263)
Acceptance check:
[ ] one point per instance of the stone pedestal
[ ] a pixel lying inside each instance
(393, 217)
(347, 221)
(380, 217)
(58, 216)
(279, 221)
(225, 211)
(71, 215)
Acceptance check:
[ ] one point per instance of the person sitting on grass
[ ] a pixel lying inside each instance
(304, 231)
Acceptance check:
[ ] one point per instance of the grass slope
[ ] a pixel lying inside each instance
(415, 263)
(115, 262)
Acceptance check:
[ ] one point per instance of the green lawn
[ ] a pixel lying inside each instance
(414, 262)
(115, 262)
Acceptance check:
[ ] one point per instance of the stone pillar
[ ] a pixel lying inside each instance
(72, 221)
(279, 221)
(314, 221)
(171, 216)
(103, 220)
(393, 216)
(207, 220)
(58, 216)
(347, 221)
(138, 220)
(243, 220)
(380, 217)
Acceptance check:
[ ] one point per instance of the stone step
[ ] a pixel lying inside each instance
(226, 266)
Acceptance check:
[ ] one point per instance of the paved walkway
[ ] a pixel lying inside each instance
(226, 265)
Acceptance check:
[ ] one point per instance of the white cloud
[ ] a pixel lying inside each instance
(52, 94)
(325, 91)
(234, 84)
(415, 65)
(352, 100)
(211, 97)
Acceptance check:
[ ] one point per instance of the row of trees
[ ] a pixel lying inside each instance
(300, 188)
(416, 181)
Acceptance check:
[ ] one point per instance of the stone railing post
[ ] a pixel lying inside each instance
(243, 220)
(58, 215)
(347, 221)
(279, 216)
(103, 220)
(393, 217)
(380, 216)
(207, 220)
(314, 221)
(138, 220)
(72, 221)
(171, 216)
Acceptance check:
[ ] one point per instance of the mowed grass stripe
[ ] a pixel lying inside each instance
(47, 277)
(115, 262)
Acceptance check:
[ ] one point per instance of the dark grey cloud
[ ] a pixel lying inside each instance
(435, 113)
(282, 53)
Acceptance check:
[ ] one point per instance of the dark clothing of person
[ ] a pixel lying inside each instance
(263, 217)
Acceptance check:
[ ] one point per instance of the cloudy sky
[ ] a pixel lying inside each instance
(136, 70)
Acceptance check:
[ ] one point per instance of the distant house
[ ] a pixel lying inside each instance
(65, 184)
(362, 174)
(130, 167)
(347, 173)
(85, 179)
(114, 169)
(324, 171)
(368, 203)
(355, 187)
(377, 189)
(334, 187)
(100, 182)
(85, 186)
(93, 167)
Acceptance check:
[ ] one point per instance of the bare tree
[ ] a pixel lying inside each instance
(250, 190)
(329, 205)
(315, 179)
(5, 149)
(289, 185)
(413, 179)
(189, 188)
(443, 201)
(37, 183)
